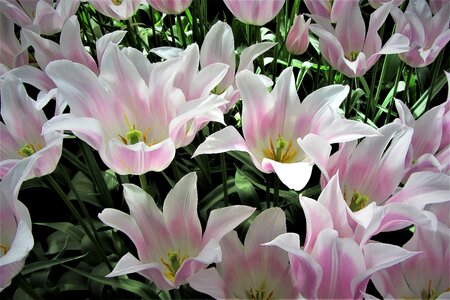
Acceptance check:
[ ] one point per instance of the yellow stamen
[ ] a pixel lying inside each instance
(173, 264)
(281, 153)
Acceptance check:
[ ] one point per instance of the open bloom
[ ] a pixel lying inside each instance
(70, 47)
(428, 140)
(41, 15)
(131, 113)
(272, 123)
(334, 267)
(170, 244)
(12, 54)
(424, 276)
(255, 12)
(21, 133)
(170, 7)
(16, 240)
(218, 47)
(117, 9)
(297, 40)
(428, 34)
(250, 271)
(347, 47)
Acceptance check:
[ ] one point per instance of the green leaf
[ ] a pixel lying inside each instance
(40, 265)
(245, 190)
(133, 286)
(85, 189)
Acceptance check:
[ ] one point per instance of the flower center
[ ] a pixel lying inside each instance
(134, 136)
(116, 2)
(358, 201)
(3, 250)
(352, 56)
(259, 294)
(173, 263)
(430, 293)
(29, 150)
(282, 151)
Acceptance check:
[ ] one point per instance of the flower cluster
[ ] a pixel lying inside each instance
(247, 154)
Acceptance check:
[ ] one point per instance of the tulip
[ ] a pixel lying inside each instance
(273, 122)
(12, 54)
(255, 12)
(428, 140)
(297, 40)
(347, 47)
(21, 133)
(377, 3)
(170, 244)
(170, 7)
(424, 276)
(116, 9)
(40, 15)
(336, 268)
(428, 34)
(250, 270)
(16, 239)
(150, 118)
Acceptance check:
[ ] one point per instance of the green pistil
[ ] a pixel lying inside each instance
(3, 250)
(133, 136)
(352, 56)
(116, 2)
(259, 294)
(27, 150)
(173, 264)
(282, 152)
(358, 201)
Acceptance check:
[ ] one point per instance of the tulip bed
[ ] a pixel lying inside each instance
(177, 149)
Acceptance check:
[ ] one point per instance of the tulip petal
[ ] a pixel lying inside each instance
(227, 139)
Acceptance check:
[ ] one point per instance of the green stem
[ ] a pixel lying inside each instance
(348, 101)
(369, 104)
(23, 284)
(52, 182)
(152, 20)
(391, 102)
(174, 43)
(267, 190)
(380, 82)
(223, 167)
(176, 172)
(96, 175)
(276, 191)
(406, 94)
(132, 34)
(435, 71)
(275, 48)
(319, 65)
(143, 181)
(181, 29)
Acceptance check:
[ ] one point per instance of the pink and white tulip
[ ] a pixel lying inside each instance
(218, 47)
(16, 239)
(170, 244)
(12, 54)
(335, 267)
(273, 122)
(116, 9)
(43, 16)
(255, 12)
(347, 46)
(428, 34)
(135, 129)
(428, 140)
(298, 40)
(21, 132)
(424, 276)
(170, 7)
(250, 270)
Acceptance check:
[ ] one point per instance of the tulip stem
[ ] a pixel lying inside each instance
(152, 20)
(181, 29)
(348, 101)
(275, 49)
(406, 94)
(267, 190)
(171, 31)
(370, 101)
(380, 81)
(276, 191)
(391, 102)
(96, 175)
(223, 167)
(52, 182)
(435, 72)
(143, 181)
(23, 284)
